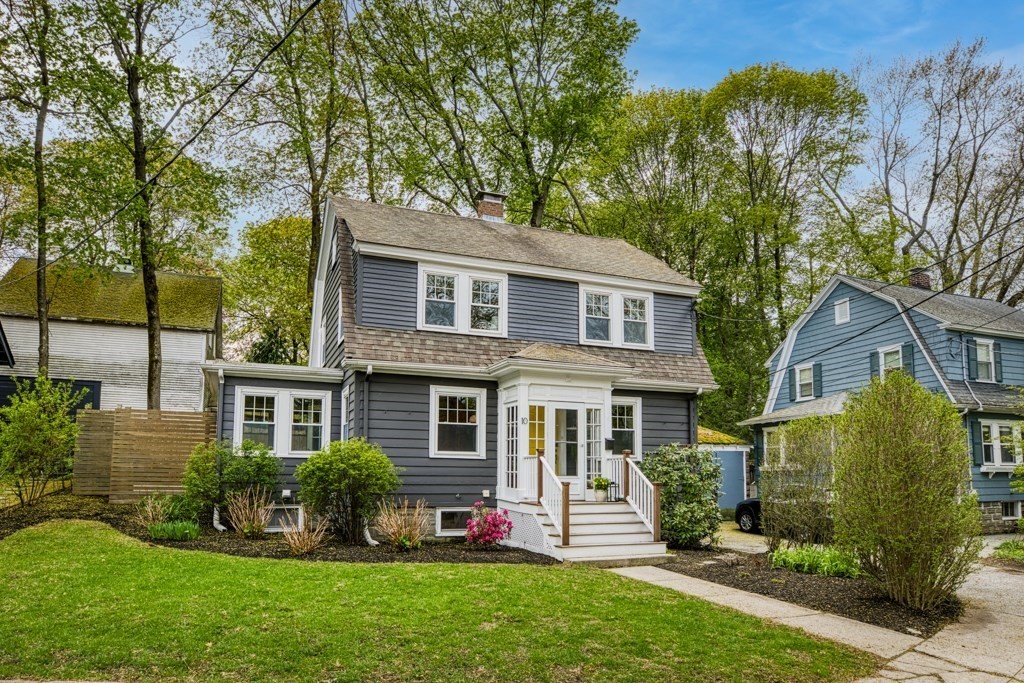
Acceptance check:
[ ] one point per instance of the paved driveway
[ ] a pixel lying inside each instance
(731, 538)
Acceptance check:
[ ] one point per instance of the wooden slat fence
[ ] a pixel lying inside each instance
(146, 450)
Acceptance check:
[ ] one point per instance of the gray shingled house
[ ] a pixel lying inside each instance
(489, 360)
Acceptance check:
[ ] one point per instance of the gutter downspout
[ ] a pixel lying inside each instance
(220, 433)
(963, 366)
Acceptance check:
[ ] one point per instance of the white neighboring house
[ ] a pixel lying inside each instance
(98, 333)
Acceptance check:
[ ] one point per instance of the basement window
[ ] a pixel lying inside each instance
(451, 521)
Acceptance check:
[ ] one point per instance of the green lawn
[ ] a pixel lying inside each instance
(80, 600)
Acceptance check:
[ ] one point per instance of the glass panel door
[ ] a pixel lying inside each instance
(567, 442)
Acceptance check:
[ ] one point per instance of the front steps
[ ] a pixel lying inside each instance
(607, 534)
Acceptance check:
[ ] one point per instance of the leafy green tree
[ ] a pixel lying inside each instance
(486, 94)
(37, 436)
(214, 471)
(903, 503)
(269, 307)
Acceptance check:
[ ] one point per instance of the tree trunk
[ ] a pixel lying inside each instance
(39, 168)
(147, 247)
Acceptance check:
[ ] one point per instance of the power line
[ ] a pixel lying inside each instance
(181, 150)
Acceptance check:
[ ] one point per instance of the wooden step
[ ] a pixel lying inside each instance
(594, 551)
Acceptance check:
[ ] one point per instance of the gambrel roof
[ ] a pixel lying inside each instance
(401, 227)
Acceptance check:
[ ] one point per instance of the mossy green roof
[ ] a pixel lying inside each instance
(712, 437)
(187, 302)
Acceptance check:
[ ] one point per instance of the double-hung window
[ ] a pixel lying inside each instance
(291, 423)
(986, 360)
(805, 382)
(615, 318)
(457, 422)
(999, 443)
(469, 303)
(625, 426)
(890, 358)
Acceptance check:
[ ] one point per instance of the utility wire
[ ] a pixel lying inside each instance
(181, 150)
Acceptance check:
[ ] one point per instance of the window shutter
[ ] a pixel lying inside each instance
(908, 358)
(873, 362)
(817, 380)
(972, 360)
(792, 384)
(997, 360)
(977, 450)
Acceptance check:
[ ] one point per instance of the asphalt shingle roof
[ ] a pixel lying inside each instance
(424, 230)
(189, 302)
(955, 309)
(828, 405)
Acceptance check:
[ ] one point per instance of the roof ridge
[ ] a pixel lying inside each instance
(932, 291)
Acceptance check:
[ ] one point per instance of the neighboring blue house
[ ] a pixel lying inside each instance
(971, 350)
(488, 359)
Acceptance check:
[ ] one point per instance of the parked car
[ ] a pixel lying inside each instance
(748, 515)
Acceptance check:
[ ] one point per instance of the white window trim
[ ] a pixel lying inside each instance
(990, 343)
(881, 357)
(463, 300)
(638, 436)
(796, 378)
(782, 447)
(298, 519)
(346, 397)
(842, 311)
(447, 532)
(481, 432)
(616, 322)
(1016, 505)
(282, 417)
(1016, 427)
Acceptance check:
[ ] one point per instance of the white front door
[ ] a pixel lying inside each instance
(567, 427)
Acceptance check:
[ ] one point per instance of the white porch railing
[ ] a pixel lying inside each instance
(553, 495)
(637, 490)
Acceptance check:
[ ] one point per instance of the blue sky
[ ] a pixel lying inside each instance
(694, 43)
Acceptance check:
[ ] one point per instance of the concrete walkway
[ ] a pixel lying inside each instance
(985, 646)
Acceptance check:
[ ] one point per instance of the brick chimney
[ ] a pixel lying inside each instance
(490, 206)
(920, 278)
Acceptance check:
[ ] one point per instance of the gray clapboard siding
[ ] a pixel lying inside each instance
(673, 324)
(386, 292)
(545, 310)
(332, 290)
(665, 417)
(399, 421)
(846, 367)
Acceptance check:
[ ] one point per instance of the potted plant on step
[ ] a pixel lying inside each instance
(601, 485)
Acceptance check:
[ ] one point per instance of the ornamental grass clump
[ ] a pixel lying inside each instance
(486, 528)
(403, 527)
(903, 504)
(250, 512)
(304, 538)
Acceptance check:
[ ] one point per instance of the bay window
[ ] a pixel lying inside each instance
(615, 318)
(467, 303)
(457, 422)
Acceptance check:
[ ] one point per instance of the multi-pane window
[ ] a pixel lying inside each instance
(485, 305)
(258, 420)
(512, 446)
(986, 361)
(307, 424)
(538, 415)
(623, 427)
(999, 443)
(774, 451)
(1011, 509)
(595, 443)
(805, 382)
(457, 421)
(439, 307)
(890, 359)
(634, 320)
(598, 317)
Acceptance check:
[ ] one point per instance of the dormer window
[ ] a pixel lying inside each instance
(615, 318)
(469, 303)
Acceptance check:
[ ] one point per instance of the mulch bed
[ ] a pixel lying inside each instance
(122, 517)
(853, 598)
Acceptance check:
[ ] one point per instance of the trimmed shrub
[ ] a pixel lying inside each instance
(214, 471)
(810, 559)
(37, 437)
(795, 483)
(250, 511)
(486, 528)
(403, 527)
(307, 538)
(174, 531)
(344, 483)
(903, 502)
(689, 495)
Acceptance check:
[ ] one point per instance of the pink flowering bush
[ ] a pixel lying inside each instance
(487, 527)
